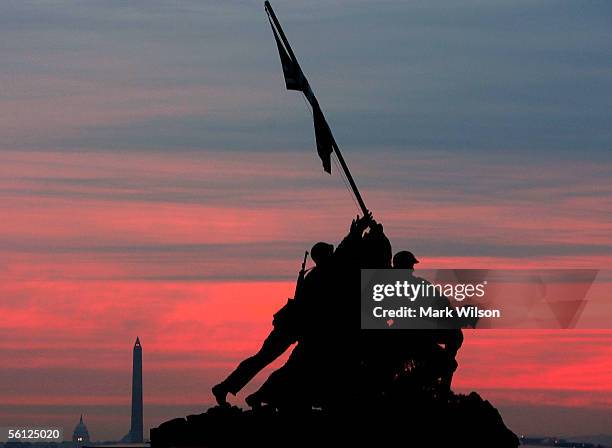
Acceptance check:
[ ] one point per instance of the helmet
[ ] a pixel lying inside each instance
(321, 251)
(404, 259)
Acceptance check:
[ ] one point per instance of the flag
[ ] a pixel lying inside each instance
(323, 138)
(294, 80)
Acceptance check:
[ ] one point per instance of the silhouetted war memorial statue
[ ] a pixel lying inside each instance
(341, 385)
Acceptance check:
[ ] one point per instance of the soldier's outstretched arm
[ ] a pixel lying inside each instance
(350, 244)
(359, 225)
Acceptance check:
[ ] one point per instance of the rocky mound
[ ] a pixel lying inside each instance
(460, 421)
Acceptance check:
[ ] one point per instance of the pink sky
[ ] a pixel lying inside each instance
(98, 248)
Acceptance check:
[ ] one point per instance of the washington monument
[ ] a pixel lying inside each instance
(135, 435)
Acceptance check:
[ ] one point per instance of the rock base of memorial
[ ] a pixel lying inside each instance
(460, 421)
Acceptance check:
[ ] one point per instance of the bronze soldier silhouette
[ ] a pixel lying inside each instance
(285, 331)
(286, 388)
(408, 363)
(434, 351)
(308, 377)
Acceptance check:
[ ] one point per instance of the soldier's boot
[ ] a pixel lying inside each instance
(253, 401)
(220, 392)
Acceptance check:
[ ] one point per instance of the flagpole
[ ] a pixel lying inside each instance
(348, 174)
(315, 104)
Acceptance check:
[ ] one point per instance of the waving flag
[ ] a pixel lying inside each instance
(294, 80)
(323, 138)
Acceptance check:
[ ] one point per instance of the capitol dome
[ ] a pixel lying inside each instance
(80, 434)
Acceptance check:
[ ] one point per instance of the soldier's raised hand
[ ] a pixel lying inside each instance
(360, 224)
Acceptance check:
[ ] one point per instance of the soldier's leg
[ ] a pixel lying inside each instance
(271, 388)
(275, 345)
(284, 387)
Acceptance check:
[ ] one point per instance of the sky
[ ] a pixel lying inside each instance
(156, 180)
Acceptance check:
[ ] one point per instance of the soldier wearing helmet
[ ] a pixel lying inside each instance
(287, 329)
